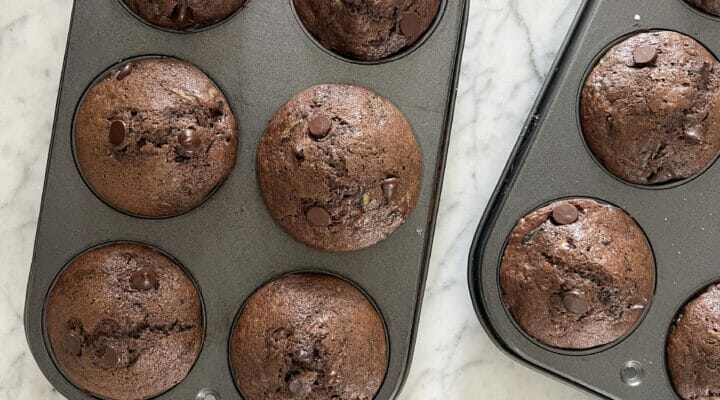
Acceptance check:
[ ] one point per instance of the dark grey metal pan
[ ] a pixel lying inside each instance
(550, 161)
(260, 58)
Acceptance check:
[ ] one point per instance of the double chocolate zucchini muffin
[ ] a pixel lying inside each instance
(650, 109)
(124, 322)
(308, 337)
(155, 137)
(339, 167)
(577, 274)
(184, 15)
(367, 30)
(709, 6)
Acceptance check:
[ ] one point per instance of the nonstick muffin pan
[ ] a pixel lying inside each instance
(551, 161)
(230, 245)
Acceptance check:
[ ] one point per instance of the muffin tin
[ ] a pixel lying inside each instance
(259, 58)
(551, 161)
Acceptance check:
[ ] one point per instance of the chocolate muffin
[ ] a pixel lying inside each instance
(577, 273)
(367, 30)
(155, 137)
(185, 15)
(308, 337)
(339, 167)
(693, 354)
(124, 322)
(650, 109)
(709, 6)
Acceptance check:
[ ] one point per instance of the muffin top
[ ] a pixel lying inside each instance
(367, 30)
(650, 109)
(709, 6)
(124, 313)
(692, 350)
(154, 137)
(185, 15)
(577, 273)
(308, 337)
(339, 167)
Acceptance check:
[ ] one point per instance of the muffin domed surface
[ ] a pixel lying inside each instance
(367, 30)
(184, 15)
(339, 167)
(577, 273)
(308, 337)
(155, 137)
(650, 108)
(122, 314)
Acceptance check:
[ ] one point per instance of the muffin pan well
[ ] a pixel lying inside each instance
(551, 161)
(260, 58)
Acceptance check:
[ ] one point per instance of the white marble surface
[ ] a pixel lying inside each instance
(510, 47)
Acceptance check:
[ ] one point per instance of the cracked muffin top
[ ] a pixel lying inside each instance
(339, 167)
(693, 355)
(308, 337)
(577, 273)
(709, 6)
(184, 15)
(650, 109)
(155, 137)
(367, 30)
(124, 313)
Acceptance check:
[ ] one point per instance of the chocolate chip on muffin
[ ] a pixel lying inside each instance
(310, 337)
(124, 313)
(155, 137)
(709, 6)
(339, 167)
(650, 108)
(367, 31)
(184, 15)
(577, 274)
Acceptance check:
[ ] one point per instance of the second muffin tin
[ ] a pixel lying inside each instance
(551, 161)
(260, 58)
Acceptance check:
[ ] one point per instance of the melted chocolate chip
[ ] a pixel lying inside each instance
(118, 131)
(110, 358)
(565, 214)
(645, 55)
(318, 216)
(73, 344)
(124, 71)
(411, 24)
(190, 140)
(181, 14)
(320, 126)
(388, 187)
(575, 303)
(144, 280)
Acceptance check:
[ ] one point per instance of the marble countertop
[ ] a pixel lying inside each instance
(510, 47)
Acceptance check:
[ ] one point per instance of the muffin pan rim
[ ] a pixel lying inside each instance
(101, 245)
(578, 112)
(311, 271)
(402, 53)
(595, 349)
(101, 77)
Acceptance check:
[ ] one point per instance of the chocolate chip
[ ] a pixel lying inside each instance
(575, 303)
(118, 131)
(299, 152)
(320, 126)
(644, 55)
(124, 71)
(318, 216)
(110, 358)
(73, 343)
(190, 140)
(181, 14)
(294, 384)
(144, 280)
(411, 24)
(565, 214)
(388, 186)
